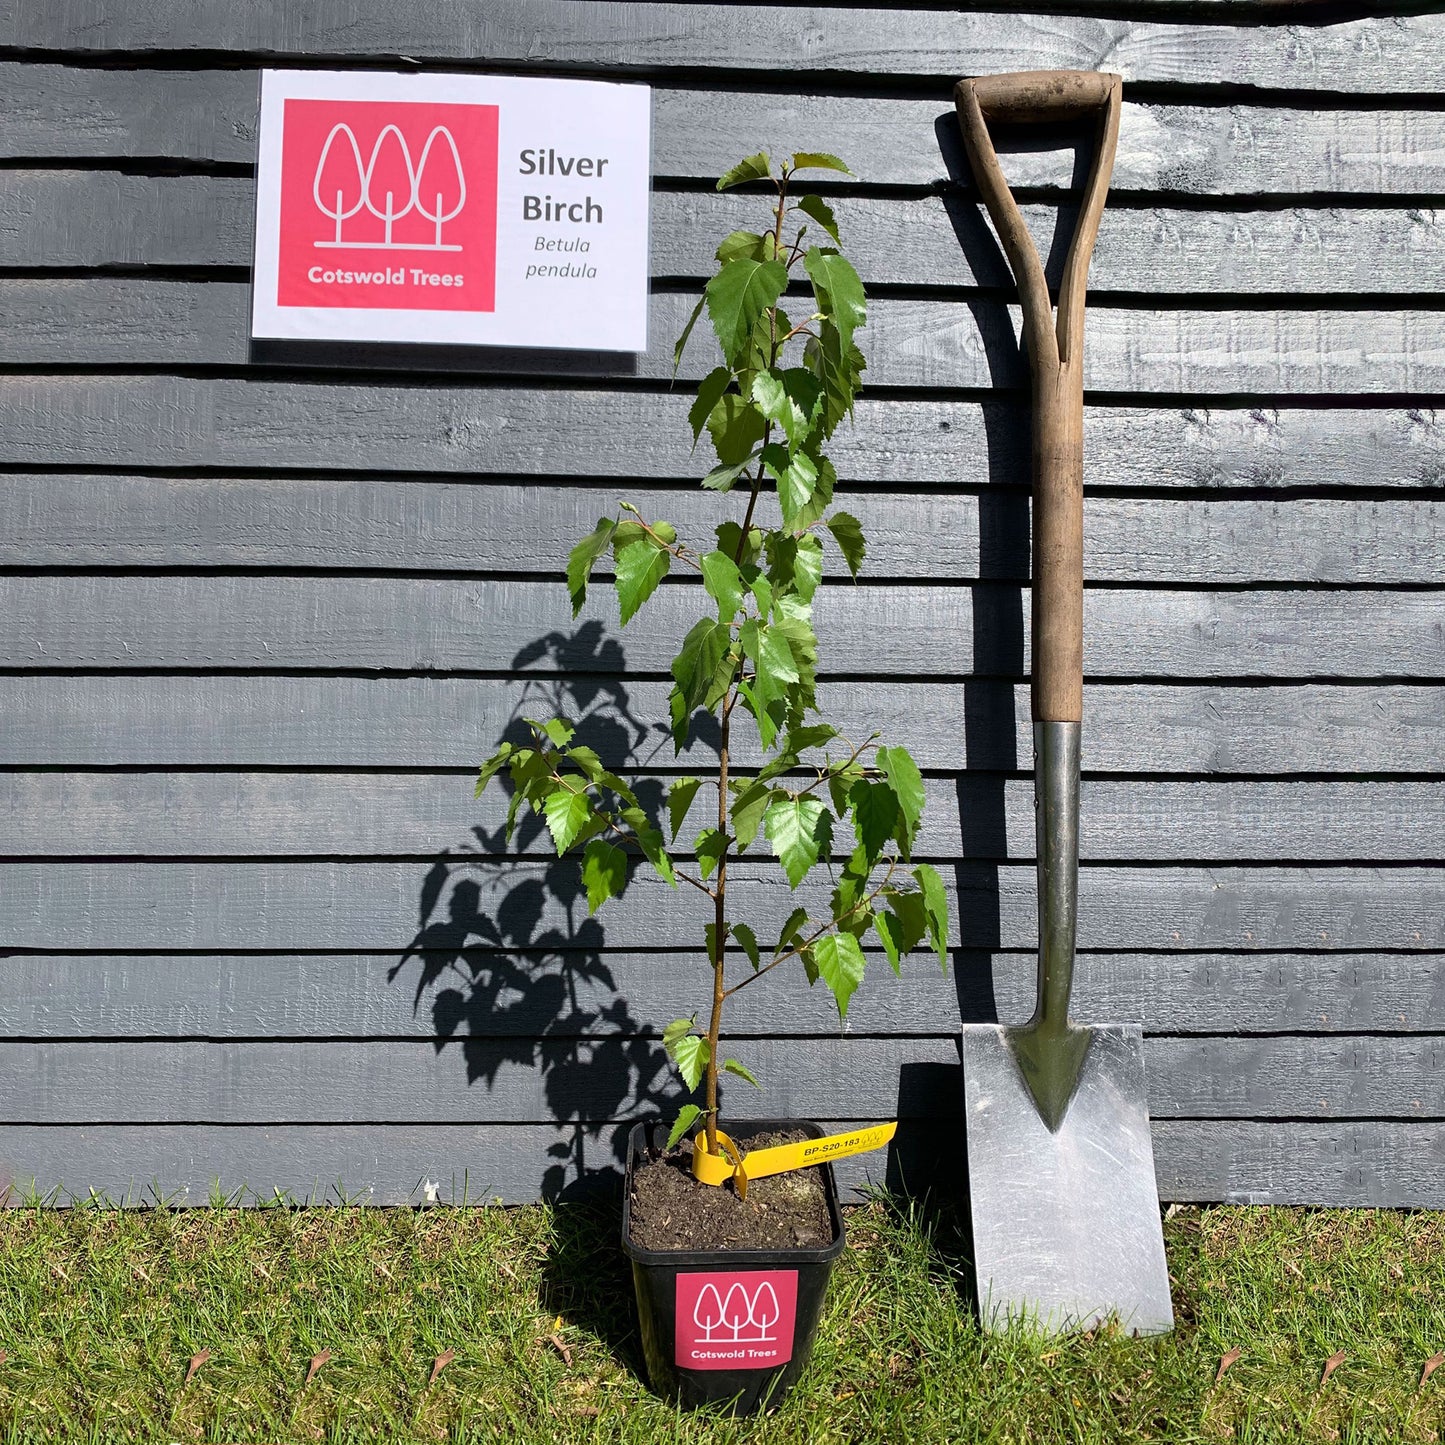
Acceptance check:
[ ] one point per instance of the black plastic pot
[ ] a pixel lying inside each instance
(726, 1326)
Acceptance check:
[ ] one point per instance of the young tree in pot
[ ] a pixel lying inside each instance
(769, 410)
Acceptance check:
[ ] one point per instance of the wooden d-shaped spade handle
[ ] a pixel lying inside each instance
(1055, 353)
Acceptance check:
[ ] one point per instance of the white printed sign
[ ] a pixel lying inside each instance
(473, 209)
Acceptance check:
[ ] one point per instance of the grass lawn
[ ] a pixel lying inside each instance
(101, 1312)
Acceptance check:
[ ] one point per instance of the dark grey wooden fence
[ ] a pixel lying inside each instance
(260, 622)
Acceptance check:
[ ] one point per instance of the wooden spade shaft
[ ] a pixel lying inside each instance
(1050, 1050)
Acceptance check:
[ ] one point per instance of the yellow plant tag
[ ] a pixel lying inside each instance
(731, 1163)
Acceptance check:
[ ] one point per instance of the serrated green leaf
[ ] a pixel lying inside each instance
(803, 642)
(875, 812)
(799, 830)
(681, 344)
(491, 768)
(814, 735)
(639, 570)
(737, 296)
(817, 161)
(724, 479)
(586, 759)
(908, 908)
(679, 799)
(736, 426)
(935, 909)
(741, 244)
(566, 813)
(847, 532)
(807, 566)
(840, 965)
(810, 965)
(838, 291)
(729, 538)
(791, 929)
(709, 392)
(704, 647)
(677, 1029)
(907, 783)
(650, 841)
(709, 846)
(765, 714)
(731, 1066)
(611, 780)
(890, 930)
(687, 1116)
(773, 664)
(665, 533)
(753, 168)
(821, 212)
(839, 368)
(558, 731)
(785, 762)
(583, 557)
(792, 400)
(604, 872)
(747, 812)
(690, 1053)
(724, 584)
(748, 942)
(796, 475)
(813, 509)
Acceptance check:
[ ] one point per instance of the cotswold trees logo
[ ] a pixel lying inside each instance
(388, 204)
(736, 1321)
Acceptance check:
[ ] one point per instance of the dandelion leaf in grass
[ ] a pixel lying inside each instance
(799, 830)
(736, 299)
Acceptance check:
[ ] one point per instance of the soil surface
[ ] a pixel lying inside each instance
(672, 1210)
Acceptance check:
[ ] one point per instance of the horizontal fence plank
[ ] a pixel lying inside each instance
(278, 814)
(97, 322)
(1384, 1164)
(1393, 55)
(411, 624)
(109, 218)
(477, 993)
(59, 520)
(330, 906)
(60, 112)
(527, 1081)
(153, 421)
(438, 722)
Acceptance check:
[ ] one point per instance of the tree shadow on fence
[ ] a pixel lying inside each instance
(511, 968)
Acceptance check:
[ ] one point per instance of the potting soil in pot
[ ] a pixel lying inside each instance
(672, 1210)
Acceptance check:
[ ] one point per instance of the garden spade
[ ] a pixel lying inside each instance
(1066, 1227)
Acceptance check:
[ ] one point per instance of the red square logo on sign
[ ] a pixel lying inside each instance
(736, 1320)
(388, 205)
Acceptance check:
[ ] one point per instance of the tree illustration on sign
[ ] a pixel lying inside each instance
(707, 1313)
(765, 1311)
(439, 177)
(339, 177)
(390, 176)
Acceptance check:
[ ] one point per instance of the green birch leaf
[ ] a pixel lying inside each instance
(810, 965)
(747, 812)
(703, 649)
(677, 1029)
(791, 399)
(840, 785)
(709, 847)
(724, 584)
(799, 829)
(875, 812)
(679, 799)
(839, 368)
(821, 212)
(736, 427)
(807, 566)
(803, 642)
(604, 872)
(817, 161)
(583, 557)
(791, 929)
(687, 1116)
(709, 392)
(907, 783)
(731, 1066)
(690, 1053)
(491, 768)
(815, 735)
(748, 942)
(754, 168)
(742, 244)
(737, 297)
(680, 716)
(935, 909)
(618, 785)
(650, 841)
(556, 730)
(840, 965)
(912, 919)
(566, 813)
(665, 533)
(847, 532)
(730, 542)
(724, 479)
(838, 290)
(639, 569)
(682, 340)
(890, 931)
(797, 477)
(764, 714)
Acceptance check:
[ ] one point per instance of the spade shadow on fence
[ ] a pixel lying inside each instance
(512, 970)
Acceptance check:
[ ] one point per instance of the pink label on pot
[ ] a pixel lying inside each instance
(736, 1320)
